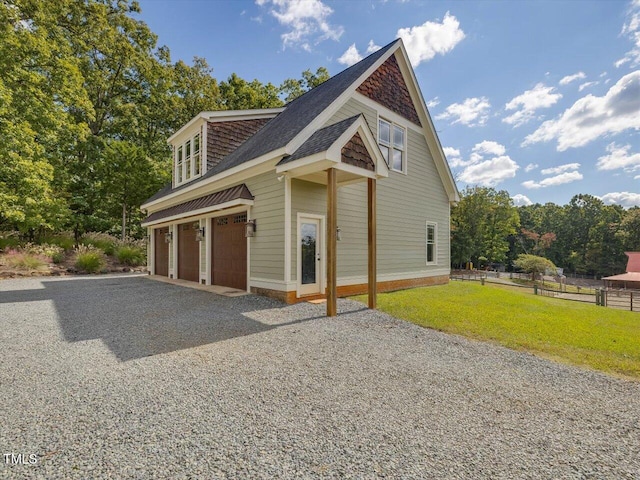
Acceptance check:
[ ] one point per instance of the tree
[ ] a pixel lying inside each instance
(533, 264)
(629, 231)
(292, 88)
(238, 94)
(481, 224)
(39, 79)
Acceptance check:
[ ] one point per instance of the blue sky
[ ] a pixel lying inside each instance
(541, 99)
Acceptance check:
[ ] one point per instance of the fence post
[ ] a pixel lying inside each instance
(482, 280)
(631, 301)
(535, 289)
(598, 297)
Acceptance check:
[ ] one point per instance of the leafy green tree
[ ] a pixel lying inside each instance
(481, 224)
(39, 79)
(292, 88)
(238, 94)
(129, 178)
(533, 264)
(629, 231)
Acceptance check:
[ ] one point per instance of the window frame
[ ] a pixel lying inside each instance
(188, 167)
(433, 225)
(392, 146)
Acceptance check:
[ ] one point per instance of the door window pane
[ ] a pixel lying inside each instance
(308, 240)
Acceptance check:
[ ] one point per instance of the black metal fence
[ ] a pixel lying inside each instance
(622, 299)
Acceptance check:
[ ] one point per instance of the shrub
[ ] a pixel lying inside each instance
(25, 261)
(44, 250)
(9, 240)
(57, 257)
(105, 242)
(63, 240)
(130, 255)
(89, 259)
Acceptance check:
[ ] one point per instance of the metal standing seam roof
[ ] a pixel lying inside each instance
(633, 264)
(218, 198)
(284, 127)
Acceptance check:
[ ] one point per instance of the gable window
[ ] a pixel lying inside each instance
(179, 165)
(431, 243)
(392, 141)
(188, 161)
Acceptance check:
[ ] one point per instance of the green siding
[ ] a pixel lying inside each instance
(405, 204)
(306, 197)
(267, 247)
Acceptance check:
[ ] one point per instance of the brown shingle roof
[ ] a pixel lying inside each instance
(218, 198)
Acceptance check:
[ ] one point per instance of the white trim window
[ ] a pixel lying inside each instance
(188, 159)
(392, 139)
(432, 246)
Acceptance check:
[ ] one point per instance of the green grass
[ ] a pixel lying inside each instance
(573, 332)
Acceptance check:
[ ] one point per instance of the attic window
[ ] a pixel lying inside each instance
(188, 160)
(391, 138)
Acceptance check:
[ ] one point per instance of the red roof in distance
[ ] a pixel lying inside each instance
(633, 265)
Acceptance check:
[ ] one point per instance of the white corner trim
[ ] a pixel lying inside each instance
(287, 229)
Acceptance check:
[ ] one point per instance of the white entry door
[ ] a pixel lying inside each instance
(309, 255)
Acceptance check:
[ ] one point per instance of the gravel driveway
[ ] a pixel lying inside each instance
(124, 377)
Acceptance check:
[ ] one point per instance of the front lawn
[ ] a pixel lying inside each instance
(583, 334)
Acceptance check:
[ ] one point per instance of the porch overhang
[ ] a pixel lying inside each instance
(325, 150)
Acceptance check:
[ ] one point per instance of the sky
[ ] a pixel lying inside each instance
(539, 98)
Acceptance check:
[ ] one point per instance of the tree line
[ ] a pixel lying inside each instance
(584, 236)
(87, 101)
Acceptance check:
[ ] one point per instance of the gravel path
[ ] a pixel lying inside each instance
(116, 377)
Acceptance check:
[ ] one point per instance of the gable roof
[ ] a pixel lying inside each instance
(287, 128)
(321, 140)
(633, 264)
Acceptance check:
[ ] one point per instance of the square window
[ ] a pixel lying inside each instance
(398, 137)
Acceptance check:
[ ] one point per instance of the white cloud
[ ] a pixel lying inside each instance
(631, 30)
(592, 117)
(491, 171)
(561, 179)
(619, 157)
(434, 102)
(587, 85)
(625, 199)
(472, 112)
(372, 47)
(560, 169)
(425, 41)
(520, 200)
(490, 147)
(570, 78)
(453, 157)
(306, 20)
(528, 102)
(351, 56)
(530, 167)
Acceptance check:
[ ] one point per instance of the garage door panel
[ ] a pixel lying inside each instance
(229, 252)
(161, 252)
(188, 252)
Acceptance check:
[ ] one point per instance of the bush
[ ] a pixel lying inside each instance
(130, 255)
(9, 240)
(105, 242)
(44, 250)
(25, 261)
(89, 259)
(57, 257)
(62, 240)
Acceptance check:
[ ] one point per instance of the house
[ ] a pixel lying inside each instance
(345, 190)
(630, 279)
